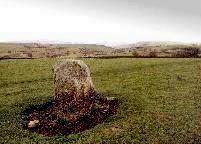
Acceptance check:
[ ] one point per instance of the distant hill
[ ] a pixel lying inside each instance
(161, 44)
(41, 50)
(69, 50)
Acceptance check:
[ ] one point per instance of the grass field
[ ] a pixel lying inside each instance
(160, 100)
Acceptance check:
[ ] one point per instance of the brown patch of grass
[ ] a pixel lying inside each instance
(113, 130)
(162, 117)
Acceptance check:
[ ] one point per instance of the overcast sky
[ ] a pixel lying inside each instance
(99, 21)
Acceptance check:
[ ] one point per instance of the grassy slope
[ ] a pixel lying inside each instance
(160, 99)
(5, 47)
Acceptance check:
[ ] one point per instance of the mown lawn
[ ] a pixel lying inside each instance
(160, 100)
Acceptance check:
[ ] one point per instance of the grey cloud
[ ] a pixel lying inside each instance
(180, 16)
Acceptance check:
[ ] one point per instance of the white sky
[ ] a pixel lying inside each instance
(97, 22)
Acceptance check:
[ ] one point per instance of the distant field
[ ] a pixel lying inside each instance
(147, 50)
(160, 100)
(37, 50)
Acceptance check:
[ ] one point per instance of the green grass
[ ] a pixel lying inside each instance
(160, 100)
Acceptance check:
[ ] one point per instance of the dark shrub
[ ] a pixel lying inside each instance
(188, 52)
(152, 54)
(135, 54)
(29, 54)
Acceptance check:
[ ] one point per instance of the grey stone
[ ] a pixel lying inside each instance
(33, 123)
(72, 79)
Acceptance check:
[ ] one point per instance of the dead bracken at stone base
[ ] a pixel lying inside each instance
(43, 120)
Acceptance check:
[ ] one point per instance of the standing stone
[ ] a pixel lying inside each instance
(73, 88)
(72, 79)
